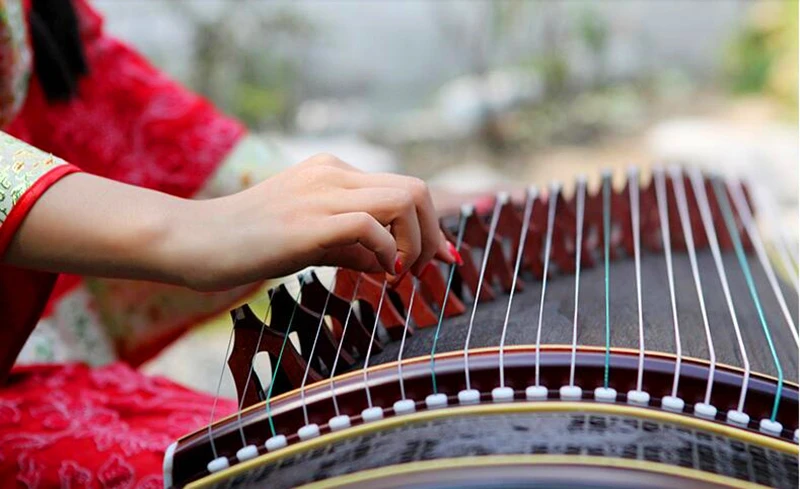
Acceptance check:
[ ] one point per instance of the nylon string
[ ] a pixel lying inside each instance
(663, 220)
(555, 191)
(339, 348)
(698, 184)
(371, 342)
(313, 349)
(531, 195)
(743, 209)
(486, 252)
(462, 220)
(250, 372)
(606, 247)
(633, 190)
(767, 208)
(580, 196)
(730, 223)
(403, 340)
(216, 396)
(280, 358)
(686, 227)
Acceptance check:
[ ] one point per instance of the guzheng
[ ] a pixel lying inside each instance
(643, 336)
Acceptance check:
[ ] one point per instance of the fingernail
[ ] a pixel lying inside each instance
(398, 266)
(454, 253)
(426, 268)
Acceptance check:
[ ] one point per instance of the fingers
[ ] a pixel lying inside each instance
(392, 207)
(355, 257)
(432, 241)
(358, 228)
(402, 203)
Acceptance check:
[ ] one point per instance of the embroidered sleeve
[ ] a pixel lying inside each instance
(15, 69)
(25, 173)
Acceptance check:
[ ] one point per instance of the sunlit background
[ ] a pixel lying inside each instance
(476, 95)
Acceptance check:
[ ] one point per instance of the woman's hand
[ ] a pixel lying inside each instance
(320, 212)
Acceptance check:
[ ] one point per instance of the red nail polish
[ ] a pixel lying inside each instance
(398, 266)
(454, 253)
(428, 266)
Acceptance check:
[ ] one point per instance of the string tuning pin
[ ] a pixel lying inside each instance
(570, 393)
(704, 410)
(218, 464)
(435, 401)
(246, 453)
(738, 418)
(404, 406)
(275, 443)
(340, 422)
(469, 396)
(673, 404)
(638, 398)
(502, 394)
(605, 394)
(536, 393)
(770, 427)
(308, 432)
(372, 414)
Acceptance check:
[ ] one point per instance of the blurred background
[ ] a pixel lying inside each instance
(475, 95)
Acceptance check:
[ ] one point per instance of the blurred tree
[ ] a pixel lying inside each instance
(478, 34)
(593, 32)
(763, 56)
(246, 58)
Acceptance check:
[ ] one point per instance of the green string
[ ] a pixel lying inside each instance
(461, 226)
(606, 240)
(733, 231)
(278, 363)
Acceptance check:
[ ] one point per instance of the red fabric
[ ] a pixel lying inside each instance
(75, 426)
(23, 293)
(129, 123)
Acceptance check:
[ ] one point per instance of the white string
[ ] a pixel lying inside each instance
(580, 195)
(526, 219)
(767, 208)
(216, 396)
(698, 185)
(489, 240)
(743, 209)
(339, 348)
(663, 219)
(250, 372)
(371, 342)
(403, 340)
(555, 190)
(633, 191)
(313, 349)
(683, 211)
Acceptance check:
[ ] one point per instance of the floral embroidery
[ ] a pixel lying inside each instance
(77, 426)
(20, 166)
(15, 54)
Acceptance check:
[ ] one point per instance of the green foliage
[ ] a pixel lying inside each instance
(256, 105)
(593, 31)
(749, 61)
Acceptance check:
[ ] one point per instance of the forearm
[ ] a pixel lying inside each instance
(89, 225)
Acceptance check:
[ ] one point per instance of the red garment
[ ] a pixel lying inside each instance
(129, 123)
(23, 293)
(79, 427)
(74, 426)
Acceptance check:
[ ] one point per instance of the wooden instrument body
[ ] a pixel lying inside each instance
(594, 361)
